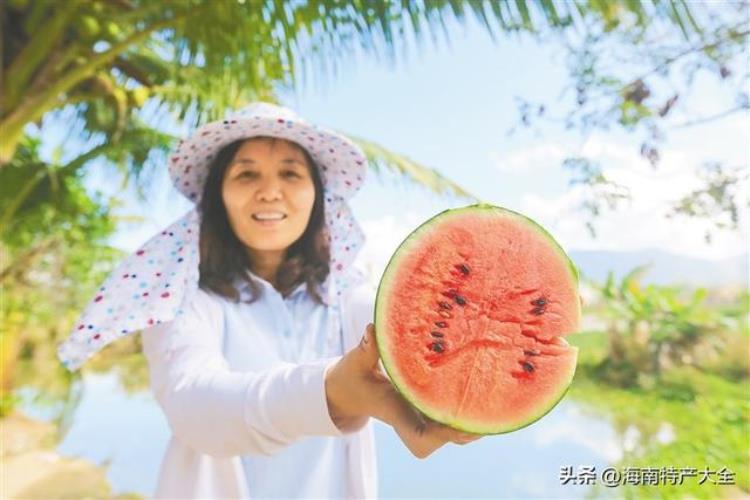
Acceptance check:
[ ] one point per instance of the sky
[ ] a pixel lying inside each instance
(450, 107)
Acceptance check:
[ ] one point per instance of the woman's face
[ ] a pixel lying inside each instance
(268, 192)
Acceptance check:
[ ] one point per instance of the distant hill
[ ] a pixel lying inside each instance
(666, 268)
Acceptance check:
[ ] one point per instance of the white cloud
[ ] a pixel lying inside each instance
(527, 159)
(595, 435)
(642, 223)
(384, 235)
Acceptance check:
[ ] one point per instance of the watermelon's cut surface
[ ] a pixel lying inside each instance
(469, 318)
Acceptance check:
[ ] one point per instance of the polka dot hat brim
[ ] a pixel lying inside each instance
(151, 285)
(342, 163)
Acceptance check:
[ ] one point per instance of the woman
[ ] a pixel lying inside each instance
(252, 318)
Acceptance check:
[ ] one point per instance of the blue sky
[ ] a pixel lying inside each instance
(450, 107)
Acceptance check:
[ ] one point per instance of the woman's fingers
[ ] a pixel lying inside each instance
(449, 434)
(409, 424)
(463, 438)
(419, 434)
(429, 436)
(457, 436)
(423, 436)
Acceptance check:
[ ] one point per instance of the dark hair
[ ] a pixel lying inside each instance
(223, 258)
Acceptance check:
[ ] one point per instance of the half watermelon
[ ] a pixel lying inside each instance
(469, 318)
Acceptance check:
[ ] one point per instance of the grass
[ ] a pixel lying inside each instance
(708, 414)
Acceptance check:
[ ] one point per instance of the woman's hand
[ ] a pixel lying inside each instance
(356, 389)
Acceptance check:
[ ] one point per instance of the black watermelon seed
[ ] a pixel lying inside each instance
(437, 334)
(531, 352)
(437, 347)
(441, 324)
(463, 268)
(461, 301)
(539, 302)
(527, 367)
(445, 305)
(537, 311)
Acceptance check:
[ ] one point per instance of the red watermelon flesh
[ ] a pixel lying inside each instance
(470, 315)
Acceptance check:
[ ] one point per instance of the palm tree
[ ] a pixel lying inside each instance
(106, 59)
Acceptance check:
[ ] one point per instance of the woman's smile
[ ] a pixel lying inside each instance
(269, 218)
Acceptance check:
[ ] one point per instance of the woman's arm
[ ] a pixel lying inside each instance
(221, 412)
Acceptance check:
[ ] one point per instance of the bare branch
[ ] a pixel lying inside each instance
(717, 116)
(702, 48)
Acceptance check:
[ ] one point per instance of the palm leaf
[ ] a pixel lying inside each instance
(381, 159)
(632, 281)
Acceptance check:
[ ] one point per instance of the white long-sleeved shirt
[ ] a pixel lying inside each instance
(242, 387)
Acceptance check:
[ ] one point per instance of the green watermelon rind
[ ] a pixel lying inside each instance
(389, 364)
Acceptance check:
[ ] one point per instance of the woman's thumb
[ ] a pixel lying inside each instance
(368, 347)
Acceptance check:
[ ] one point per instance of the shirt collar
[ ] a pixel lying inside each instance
(243, 287)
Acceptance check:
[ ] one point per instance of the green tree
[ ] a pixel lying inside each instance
(52, 234)
(653, 328)
(634, 76)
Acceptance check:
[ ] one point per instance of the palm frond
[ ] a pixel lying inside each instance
(382, 159)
